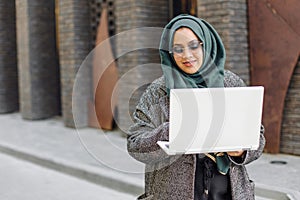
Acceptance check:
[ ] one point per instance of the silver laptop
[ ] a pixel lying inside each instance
(204, 120)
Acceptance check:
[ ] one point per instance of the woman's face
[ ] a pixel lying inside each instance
(187, 50)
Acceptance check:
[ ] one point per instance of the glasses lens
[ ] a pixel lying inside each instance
(194, 45)
(178, 49)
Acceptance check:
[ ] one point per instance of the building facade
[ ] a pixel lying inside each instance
(43, 44)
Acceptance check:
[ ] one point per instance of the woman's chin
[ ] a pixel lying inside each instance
(190, 70)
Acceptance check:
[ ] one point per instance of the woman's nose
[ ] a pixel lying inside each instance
(186, 53)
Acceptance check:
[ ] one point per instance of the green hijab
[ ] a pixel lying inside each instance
(210, 74)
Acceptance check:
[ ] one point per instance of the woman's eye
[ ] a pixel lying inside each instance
(194, 46)
(178, 49)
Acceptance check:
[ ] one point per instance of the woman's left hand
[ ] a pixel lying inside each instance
(235, 153)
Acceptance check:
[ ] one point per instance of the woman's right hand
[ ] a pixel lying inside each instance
(235, 153)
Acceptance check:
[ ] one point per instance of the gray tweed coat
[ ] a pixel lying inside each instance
(172, 177)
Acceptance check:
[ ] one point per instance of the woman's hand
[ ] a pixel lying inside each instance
(235, 153)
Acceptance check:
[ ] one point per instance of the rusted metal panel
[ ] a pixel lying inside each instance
(105, 77)
(274, 35)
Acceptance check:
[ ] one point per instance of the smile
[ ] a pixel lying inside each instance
(189, 63)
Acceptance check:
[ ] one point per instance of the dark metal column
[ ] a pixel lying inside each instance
(75, 43)
(38, 61)
(130, 16)
(9, 100)
(229, 18)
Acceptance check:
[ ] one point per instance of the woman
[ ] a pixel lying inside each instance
(192, 56)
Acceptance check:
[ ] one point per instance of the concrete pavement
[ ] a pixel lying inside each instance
(101, 157)
(22, 180)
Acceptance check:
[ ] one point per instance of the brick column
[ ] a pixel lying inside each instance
(75, 42)
(9, 100)
(290, 135)
(38, 63)
(230, 20)
(130, 15)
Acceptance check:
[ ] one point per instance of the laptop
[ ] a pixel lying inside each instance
(207, 120)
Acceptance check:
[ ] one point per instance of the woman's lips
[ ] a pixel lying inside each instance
(189, 63)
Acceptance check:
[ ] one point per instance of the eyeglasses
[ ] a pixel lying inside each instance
(192, 46)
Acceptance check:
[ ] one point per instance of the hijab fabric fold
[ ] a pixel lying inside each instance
(211, 73)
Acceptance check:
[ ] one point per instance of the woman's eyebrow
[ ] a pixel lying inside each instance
(195, 40)
(177, 44)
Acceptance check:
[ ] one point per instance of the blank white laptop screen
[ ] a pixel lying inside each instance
(204, 120)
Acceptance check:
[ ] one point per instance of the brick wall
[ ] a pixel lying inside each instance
(75, 43)
(230, 20)
(130, 16)
(290, 134)
(9, 100)
(37, 56)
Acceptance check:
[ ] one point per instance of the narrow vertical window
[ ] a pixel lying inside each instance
(178, 7)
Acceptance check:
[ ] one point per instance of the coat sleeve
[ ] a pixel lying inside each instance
(150, 125)
(232, 80)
